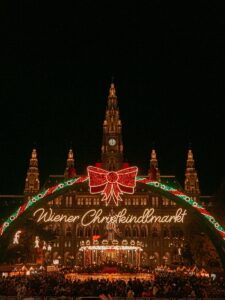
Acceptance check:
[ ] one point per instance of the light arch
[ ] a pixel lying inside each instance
(215, 231)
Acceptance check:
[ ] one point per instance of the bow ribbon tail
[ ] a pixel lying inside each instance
(116, 192)
(107, 192)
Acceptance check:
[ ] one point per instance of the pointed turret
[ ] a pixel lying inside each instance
(153, 172)
(70, 171)
(32, 183)
(112, 144)
(191, 183)
(112, 91)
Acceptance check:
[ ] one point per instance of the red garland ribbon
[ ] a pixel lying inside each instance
(112, 184)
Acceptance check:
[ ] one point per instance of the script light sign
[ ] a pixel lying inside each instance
(97, 216)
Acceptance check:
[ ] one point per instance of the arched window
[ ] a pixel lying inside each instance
(143, 231)
(88, 232)
(80, 231)
(166, 232)
(127, 232)
(154, 232)
(57, 229)
(69, 231)
(96, 230)
(135, 231)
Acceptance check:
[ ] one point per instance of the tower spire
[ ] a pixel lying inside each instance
(70, 171)
(32, 183)
(112, 144)
(153, 172)
(191, 183)
(112, 90)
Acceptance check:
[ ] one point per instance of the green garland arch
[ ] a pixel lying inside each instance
(216, 231)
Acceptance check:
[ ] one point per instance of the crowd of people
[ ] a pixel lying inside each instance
(163, 285)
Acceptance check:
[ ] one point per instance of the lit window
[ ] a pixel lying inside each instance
(57, 201)
(95, 201)
(69, 201)
(156, 201)
(88, 201)
(165, 202)
(143, 201)
(50, 203)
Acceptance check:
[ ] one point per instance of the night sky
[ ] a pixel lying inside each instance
(56, 64)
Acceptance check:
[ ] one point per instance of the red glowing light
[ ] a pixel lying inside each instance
(112, 184)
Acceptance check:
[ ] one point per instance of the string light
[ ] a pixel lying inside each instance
(36, 242)
(16, 237)
(44, 246)
(112, 184)
(160, 187)
(186, 199)
(110, 247)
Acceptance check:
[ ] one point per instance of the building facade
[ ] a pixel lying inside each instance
(149, 229)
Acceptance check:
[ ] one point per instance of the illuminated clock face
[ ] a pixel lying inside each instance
(112, 142)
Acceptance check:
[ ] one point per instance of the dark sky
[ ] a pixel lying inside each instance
(57, 60)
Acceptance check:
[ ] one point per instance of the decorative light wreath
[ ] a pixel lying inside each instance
(161, 187)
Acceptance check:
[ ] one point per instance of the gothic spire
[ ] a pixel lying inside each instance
(153, 172)
(112, 91)
(32, 183)
(112, 144)
(191, 183)
(70, 171)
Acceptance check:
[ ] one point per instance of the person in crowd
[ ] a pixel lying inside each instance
(164, 285)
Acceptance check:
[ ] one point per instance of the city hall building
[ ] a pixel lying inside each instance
(135, 227)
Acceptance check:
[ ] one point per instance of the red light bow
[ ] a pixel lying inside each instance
(112, 184)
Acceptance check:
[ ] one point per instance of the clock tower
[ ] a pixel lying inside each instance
(112, 144)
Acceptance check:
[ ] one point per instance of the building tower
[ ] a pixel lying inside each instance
(70, 171)
(191, 183)
(112, 144)
(153, 172)
(32, 183)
